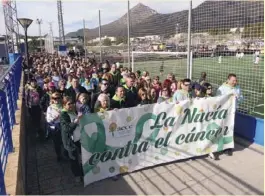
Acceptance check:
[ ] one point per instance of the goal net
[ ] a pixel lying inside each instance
(161, 63)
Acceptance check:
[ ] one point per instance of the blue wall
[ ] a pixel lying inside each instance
(250, 128)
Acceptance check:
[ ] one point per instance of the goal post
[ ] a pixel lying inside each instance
(161, 63)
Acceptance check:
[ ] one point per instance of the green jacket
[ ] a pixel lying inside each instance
(67, 129)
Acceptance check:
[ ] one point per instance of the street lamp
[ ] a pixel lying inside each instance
(25, 23)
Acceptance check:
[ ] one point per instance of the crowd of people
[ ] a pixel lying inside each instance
(63, 89)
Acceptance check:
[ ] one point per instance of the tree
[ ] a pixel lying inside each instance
(107, 42)
(213, 31)
(254, 30)
(120, 40)
(33, 44)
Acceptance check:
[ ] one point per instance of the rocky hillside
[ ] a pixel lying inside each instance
(209, 15)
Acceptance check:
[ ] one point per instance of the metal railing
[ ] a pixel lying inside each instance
(9, 89)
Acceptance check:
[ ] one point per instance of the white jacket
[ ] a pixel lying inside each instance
(52, 112)
(227, 89)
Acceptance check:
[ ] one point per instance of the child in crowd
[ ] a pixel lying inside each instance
(82, 105)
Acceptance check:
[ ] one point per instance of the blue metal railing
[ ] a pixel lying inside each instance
(9, 89)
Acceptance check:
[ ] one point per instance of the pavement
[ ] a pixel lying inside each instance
(240, 174)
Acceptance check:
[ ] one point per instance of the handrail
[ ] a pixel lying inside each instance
(9, 88)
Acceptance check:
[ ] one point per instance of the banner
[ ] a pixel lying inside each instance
(126, 140)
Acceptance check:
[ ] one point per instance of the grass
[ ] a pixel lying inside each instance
(250, 76)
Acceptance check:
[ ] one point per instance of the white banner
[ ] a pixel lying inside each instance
(126, 140)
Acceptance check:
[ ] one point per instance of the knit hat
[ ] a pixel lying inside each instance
(51, 84)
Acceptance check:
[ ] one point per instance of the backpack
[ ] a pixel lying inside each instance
(34, 97)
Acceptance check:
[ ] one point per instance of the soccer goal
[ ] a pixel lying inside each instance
(161, 63)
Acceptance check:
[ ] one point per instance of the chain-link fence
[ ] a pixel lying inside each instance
(233, 43)
(226, 37)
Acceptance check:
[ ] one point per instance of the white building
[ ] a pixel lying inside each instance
(112, 39)
(233, 30)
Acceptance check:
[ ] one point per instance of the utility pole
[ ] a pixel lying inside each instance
(84, 32)
(99, 32)
(128, 42)
(39, 22)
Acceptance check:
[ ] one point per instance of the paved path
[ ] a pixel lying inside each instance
(241, 174)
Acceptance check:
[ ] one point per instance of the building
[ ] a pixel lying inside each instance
(112, 39)
(68, 40)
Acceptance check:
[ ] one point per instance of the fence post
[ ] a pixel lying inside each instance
(10, 103)
(6, 119)
(189, 39)
(191, 58)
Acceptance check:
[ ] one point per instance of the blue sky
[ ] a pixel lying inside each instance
(76, 11)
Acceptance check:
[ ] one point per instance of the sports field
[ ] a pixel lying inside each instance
(250, 76)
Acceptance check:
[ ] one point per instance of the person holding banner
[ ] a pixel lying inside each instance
(69, 122)
(53, 121)
(183, 93)
(103, 103)
(209, 89)
(231, 87)
(165, 94)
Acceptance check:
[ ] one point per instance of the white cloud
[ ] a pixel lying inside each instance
(75, 11)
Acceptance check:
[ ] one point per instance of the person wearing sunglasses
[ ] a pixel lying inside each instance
(53, 121)
(183, 93)
(165, 94)
(69, 122)
(209, 89)
(143, 97)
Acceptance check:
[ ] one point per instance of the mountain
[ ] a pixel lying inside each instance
(138, 13)
(208, 15)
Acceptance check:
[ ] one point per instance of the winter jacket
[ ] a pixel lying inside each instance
(72, 93)
(225, 89)
(145, 102)
(118, 103)
(110, 92)
(45, 101)
(53, 111)
(115, 78)
(62, 92)
(131, 95)
(164, 99)
(88, 86)
(33, 96)
(180, 95)
(67, 128)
